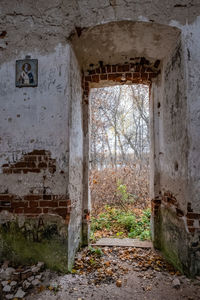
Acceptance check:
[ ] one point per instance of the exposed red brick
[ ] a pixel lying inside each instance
(191, 215)
(143, 69)
(91, 72)
(6, 197)
(114, 76)
(20, 164)
(30, 164)
(33, 203)
(19, 210)
(5, 165)
(108, 69)
(48, 204)
(32, 210)
(190, 222)
(7, 171)
(103, 77)
(103, 70)
(68, 202)
(126, 68)
(119, 68)
(33, 215)
(63, 203)
(47, 197)
(144, 76)
(46, 158)
(19, 204)
(67, 219)
(191, 229)
(129, 76)
(32, 197)
(98, 71)
(136, 75)
(17, 171)
(137, 68)
(87, 89)
(45, 210)
(88, 78)
(42, 165)
(95, 78)
(114, 68)
(149, 70)
(30, 158)
(137, 80)
(32, 170)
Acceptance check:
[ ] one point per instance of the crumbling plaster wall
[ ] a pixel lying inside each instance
(35, 122)
(193, 99)
(35, 150)
(173, 136)
(43, 30)
(170, 159)
(31, 117)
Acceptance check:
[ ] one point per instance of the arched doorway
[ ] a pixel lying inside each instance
(137, 52)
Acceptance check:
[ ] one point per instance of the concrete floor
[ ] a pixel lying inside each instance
(137, 282)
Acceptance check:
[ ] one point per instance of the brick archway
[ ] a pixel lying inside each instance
(141, 72)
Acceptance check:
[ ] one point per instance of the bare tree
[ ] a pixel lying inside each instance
(119, 125)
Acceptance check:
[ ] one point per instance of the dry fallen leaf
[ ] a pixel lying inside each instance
(118, 283)
(107, 263)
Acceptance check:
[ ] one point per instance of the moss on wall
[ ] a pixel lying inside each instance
(33, 240)
(173, 239)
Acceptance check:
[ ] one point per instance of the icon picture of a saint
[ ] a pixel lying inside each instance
(26, 76)
(26, 73)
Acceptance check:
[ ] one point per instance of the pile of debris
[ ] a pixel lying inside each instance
(17, 282)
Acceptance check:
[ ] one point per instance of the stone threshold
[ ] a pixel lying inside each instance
(125, 242)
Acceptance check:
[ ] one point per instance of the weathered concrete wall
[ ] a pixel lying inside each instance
(41, 128)
(173, 128)
(75, 188)
(176, 203)
(170, 159)
(26, 112)
(193, 99)
(35, 140)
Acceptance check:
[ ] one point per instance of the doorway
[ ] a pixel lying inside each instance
(119, 162)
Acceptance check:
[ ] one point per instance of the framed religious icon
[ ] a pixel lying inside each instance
(27, 72)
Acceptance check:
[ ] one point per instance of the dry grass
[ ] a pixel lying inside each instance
(104, 185)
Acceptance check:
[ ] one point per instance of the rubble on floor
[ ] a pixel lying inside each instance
(16, 283)
(101, 273)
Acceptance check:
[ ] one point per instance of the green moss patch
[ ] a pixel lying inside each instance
(22, 246)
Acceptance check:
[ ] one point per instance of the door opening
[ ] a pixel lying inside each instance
(119, 162)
